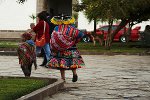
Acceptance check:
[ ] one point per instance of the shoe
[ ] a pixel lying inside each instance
(44, 62)
(75, 78)
(42, 65)
(46, 66)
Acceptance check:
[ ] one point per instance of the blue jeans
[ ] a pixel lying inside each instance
(47, 51)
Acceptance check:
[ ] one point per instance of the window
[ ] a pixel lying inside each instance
(105, 28)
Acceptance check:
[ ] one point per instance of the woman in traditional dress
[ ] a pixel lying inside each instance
(64, 38)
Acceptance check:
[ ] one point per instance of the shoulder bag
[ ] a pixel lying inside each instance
(41, 42)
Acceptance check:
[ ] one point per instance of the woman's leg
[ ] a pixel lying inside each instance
(25, 71)
(74, 72)
(62, 72)
(47, 51)
(38, 50)
(44, 60)
(75, 76)
(30, 68)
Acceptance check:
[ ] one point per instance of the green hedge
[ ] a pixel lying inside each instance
(8, 44)
(131, 47)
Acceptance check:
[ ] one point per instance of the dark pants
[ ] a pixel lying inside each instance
(44, 56)
(27, 70)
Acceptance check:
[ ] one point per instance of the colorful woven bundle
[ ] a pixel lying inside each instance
(63, 37)
(26, 54)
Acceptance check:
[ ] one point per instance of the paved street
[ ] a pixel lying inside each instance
(119, 77)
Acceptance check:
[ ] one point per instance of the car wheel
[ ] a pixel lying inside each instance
(123, 39)
(86, 39)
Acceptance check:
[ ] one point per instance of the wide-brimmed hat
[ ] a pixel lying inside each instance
(63, 19)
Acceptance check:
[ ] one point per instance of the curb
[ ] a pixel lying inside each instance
(114, 53)
(54, 86)
(14, 53)
(8, 53)
(46, 91)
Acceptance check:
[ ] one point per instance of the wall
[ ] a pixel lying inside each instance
(40, 6)
(10, 34)
(59, 6)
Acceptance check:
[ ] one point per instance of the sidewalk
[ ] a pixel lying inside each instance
(120, 77)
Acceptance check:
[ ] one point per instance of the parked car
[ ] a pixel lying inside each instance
(134, 36)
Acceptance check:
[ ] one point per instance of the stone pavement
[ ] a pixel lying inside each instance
(119, 77)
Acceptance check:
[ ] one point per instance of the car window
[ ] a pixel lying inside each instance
(114, 27)
(104, 28)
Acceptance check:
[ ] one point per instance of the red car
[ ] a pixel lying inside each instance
(134, 36)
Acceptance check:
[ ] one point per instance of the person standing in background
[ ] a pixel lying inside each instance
(39, 29)
(33, 33)
(47, 18)
(146, 34)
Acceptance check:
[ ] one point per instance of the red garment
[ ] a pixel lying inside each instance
(39, 29)
(26, 54)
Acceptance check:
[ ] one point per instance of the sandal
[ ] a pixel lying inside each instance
(75, 78)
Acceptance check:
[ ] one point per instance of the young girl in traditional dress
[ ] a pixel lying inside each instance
(65, 55)
(26, 54)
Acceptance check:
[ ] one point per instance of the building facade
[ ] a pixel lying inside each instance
(56, 6)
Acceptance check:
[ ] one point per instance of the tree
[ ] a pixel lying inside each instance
(128, 11)
(21, 1)
(33, 17)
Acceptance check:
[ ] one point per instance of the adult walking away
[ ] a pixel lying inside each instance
(41, 28)
(65, 55)
(26, 54)
(47, 18)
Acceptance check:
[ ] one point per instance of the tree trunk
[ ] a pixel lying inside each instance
(123, 23)
(95, 25)
(128, 33)
(108, 36)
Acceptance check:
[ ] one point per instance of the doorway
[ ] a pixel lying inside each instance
(56, 7)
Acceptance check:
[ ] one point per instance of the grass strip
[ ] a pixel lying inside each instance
(115, 48)
(118, 47)
(13, 88)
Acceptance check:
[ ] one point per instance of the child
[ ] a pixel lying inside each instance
(26, 54)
